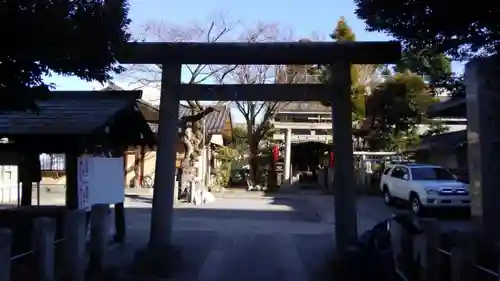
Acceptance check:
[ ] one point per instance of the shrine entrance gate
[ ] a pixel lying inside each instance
(340, 55)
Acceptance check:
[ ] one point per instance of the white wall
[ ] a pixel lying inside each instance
(8, 184)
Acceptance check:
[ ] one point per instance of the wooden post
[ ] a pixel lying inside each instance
(5, 253)
(43, 242)
(137, 165)
(99, 231)
(75, 245)
(120, 228)
(141, 165)
(71, 167)
(430, 258)
(346, 218)
(462, 257)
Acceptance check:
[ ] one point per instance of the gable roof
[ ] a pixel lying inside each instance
(454, 107)
(445, 141)
(68, 113)
(214, 122)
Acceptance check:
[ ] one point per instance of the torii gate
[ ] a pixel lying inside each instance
(340, 55)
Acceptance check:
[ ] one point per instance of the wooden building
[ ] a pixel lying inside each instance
(68, 124)
(140, 162)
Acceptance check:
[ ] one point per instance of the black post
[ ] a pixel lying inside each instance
(120, 223)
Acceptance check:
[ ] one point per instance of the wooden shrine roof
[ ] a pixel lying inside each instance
(443, 142)
(68, 113)
(215, 122)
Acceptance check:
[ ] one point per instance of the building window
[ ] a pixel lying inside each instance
(52, 162)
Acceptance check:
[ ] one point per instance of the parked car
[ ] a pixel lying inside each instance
(423, 186)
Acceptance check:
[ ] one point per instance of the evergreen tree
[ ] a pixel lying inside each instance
(461, 30)
(343, 32)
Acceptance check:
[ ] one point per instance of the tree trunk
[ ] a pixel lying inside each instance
(188, 151)
(254, 164)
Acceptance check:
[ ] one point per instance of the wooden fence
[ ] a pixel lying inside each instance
(429, 257)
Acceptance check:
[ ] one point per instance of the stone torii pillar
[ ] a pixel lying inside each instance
(483, 135)
(164, 188)
(346, 217)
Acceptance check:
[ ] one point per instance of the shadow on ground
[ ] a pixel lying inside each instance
(269, 208)
(223, 244)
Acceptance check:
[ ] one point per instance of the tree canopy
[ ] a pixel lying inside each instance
(66, 37)
(394, 108)
(461, 30)
(361, 75)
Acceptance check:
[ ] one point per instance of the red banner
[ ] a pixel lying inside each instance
(332, 159)
(276, 152)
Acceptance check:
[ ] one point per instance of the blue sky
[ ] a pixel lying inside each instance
(303, 17)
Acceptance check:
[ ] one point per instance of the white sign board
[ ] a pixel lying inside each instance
(101, 180)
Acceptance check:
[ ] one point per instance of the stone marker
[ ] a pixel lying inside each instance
(43, 242)
(483, 136)
(99, 235)
(5, 252)
(75, 252)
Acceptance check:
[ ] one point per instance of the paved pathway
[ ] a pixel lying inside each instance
(245, 239)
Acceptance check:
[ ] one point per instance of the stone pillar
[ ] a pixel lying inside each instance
(344, 187)
(5, 253)
(75, 252)
(288, 156)
(99, 235)
(168, 137)
(43, 241)
(483, 134)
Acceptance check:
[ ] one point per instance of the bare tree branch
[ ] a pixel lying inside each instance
(217, 29)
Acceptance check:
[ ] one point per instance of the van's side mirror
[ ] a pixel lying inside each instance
(406, 177)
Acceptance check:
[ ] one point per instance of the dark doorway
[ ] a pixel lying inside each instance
(306, 158)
